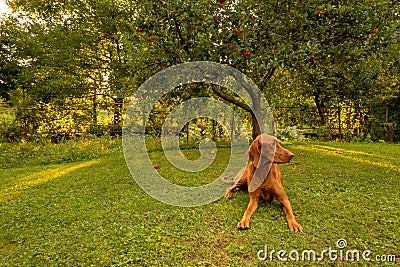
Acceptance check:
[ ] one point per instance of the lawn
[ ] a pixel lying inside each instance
(75, 203)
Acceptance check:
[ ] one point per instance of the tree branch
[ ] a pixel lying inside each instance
(268, 74)
(178, 30)
(230, 99)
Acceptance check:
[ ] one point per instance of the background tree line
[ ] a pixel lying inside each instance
(331, 68)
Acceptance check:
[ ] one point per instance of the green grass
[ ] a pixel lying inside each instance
(76, 204)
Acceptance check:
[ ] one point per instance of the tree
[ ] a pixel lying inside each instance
(108, 48)
(9, 65)
(325, 45)
(72, 50)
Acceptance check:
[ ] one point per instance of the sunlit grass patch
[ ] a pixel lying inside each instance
(45, 152)
(370, 158)
(22, 183)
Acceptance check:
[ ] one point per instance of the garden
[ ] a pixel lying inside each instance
(78, 78)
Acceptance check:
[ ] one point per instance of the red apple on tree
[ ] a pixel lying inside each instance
(312, 57)
(247, 54)
(139, 29)
(230, 46)
(221, 3)
(239, 31)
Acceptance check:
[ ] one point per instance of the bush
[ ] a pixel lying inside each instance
(362, 139)
(289, 133)
(46, 152)
(7, 117)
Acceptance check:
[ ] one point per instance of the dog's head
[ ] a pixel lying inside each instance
(282, 155)
(266, 148)
(264, 151)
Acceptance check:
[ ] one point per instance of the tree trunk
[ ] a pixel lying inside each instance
(255, 110)
(119, 101)
(339, 122)
(94, 103)
(320, 108)
(256, 131)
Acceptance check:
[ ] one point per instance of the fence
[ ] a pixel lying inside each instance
(342, 122)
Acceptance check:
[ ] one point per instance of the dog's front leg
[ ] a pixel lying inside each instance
(251, 208)
(284, 200)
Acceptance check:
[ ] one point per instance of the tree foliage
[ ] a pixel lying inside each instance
(307, 56)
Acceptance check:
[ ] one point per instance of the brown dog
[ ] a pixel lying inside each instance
(263, 178)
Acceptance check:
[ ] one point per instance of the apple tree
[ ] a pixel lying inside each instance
(326, 48)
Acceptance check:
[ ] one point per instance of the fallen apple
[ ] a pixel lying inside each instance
(247, 54)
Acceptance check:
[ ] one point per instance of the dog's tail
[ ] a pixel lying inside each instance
(227, 179)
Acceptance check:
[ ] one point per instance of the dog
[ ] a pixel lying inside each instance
(263, 179)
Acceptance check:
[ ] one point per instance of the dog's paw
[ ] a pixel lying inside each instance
(228, 195)
(243, 225)
(295, 227)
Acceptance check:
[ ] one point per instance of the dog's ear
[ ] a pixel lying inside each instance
(261, 153)
(254, 152)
